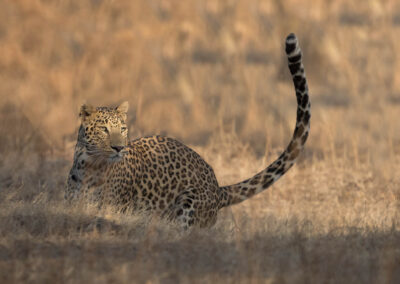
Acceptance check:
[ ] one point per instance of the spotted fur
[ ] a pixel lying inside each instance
(162, 175)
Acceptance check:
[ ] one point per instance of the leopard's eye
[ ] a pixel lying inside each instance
(123, 129)
(104, 129)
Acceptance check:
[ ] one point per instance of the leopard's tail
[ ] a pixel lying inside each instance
(239, 192)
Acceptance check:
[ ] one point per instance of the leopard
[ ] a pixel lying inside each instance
(161, 175)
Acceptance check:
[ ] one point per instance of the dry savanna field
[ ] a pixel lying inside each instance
(212, 74)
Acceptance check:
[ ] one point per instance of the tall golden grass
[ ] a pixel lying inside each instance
(212, 74)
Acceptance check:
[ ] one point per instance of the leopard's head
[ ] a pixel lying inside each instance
(103, 131)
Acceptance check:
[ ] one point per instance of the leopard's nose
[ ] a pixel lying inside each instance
(117, 148)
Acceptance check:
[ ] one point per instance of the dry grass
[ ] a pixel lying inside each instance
(212, 74)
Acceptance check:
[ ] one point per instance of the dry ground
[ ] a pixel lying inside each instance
(212, 74)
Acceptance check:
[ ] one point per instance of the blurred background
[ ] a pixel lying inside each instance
(214, 75)
(191, 69)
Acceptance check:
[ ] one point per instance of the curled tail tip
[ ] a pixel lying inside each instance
(292, 46)
(291, 37)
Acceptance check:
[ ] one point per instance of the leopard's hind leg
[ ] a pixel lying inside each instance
(192, 208)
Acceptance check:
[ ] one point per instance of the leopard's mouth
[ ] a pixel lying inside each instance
(117, 156)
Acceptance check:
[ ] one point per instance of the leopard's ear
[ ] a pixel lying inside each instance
(123, 108)
(86, 111)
